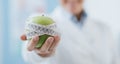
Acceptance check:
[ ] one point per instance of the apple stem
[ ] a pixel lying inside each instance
(43, 15)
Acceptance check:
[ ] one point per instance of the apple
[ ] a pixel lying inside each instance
(42, 20)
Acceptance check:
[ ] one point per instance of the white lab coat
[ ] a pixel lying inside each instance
(93, 44)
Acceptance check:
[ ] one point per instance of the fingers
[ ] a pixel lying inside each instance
(47, 44)
(47, 49)
(32, 43)
(55, 43)
(23, 37)
(51, 49)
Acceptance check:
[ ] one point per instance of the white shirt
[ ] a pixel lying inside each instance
(93, 44)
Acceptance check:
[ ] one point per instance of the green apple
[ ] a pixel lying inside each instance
(42, 20)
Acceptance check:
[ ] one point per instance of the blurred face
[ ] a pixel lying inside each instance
(73, 6)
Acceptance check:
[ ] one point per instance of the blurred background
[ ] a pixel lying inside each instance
(13, 14)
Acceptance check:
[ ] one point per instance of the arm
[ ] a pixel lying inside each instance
(31, 57)
(42, 55)
(113, 46)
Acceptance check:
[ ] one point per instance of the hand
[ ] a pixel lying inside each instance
(47, 49)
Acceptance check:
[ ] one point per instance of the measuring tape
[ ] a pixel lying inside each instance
(33, 29)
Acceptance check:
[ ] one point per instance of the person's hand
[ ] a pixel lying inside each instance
(47, 49)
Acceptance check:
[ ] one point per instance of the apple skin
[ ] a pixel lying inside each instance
(42, 40)
(42, 20)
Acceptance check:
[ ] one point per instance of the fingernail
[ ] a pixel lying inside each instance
(36, 38)
(51, 40)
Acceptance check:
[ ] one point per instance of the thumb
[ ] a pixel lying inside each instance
(23, 37)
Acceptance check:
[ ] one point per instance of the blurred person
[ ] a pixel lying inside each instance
(83, 41)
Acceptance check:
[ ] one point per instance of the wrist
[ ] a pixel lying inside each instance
(46, 55)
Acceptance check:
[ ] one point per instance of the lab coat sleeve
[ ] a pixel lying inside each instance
(32, 57)
(113, 46)
(115, 53)
(116, 56)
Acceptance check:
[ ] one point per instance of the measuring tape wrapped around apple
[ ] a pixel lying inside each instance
(41, 25)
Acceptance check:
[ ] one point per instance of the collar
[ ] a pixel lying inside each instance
(62, 13)
(72, 17)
